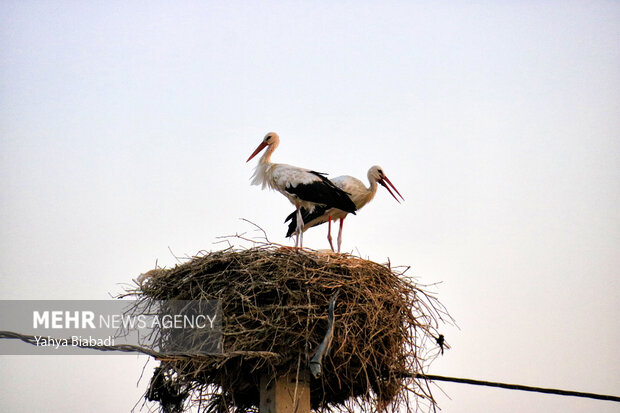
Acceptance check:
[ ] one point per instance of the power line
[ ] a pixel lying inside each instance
(132, 348)
(430, 377)
(521, 387)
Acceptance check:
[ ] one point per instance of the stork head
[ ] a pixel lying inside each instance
(270, 140)
(376, 174)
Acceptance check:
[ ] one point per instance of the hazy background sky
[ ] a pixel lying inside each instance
(125, 127)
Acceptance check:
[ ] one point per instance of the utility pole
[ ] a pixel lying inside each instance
(285, 394)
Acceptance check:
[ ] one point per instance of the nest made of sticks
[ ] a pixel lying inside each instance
(275, 308)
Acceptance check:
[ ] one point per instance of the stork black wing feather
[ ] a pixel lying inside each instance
(291, 216)
(323, 192)
(307, 217)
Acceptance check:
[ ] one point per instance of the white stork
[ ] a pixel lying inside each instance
(305, 188)
(360, 194)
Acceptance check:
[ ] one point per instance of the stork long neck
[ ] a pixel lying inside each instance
(261, 175)
(370, 192)
(266, 158)
(372, 189)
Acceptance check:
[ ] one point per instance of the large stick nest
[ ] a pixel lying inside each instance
(275, 307)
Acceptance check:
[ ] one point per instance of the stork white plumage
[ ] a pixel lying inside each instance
(305, 188)
(359, 193)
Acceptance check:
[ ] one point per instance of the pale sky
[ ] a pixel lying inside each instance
(125, 127)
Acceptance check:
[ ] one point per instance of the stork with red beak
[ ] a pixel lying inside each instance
(360, 194)
(305, 188)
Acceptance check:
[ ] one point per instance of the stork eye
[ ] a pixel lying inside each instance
(380, 171)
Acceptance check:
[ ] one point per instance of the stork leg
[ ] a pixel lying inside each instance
(300, 229)
(329, 233)
(340, 233)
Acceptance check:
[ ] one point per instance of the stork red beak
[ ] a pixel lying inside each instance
(258, 149)
(383, 181)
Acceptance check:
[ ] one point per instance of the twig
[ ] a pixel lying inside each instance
(258, 228)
